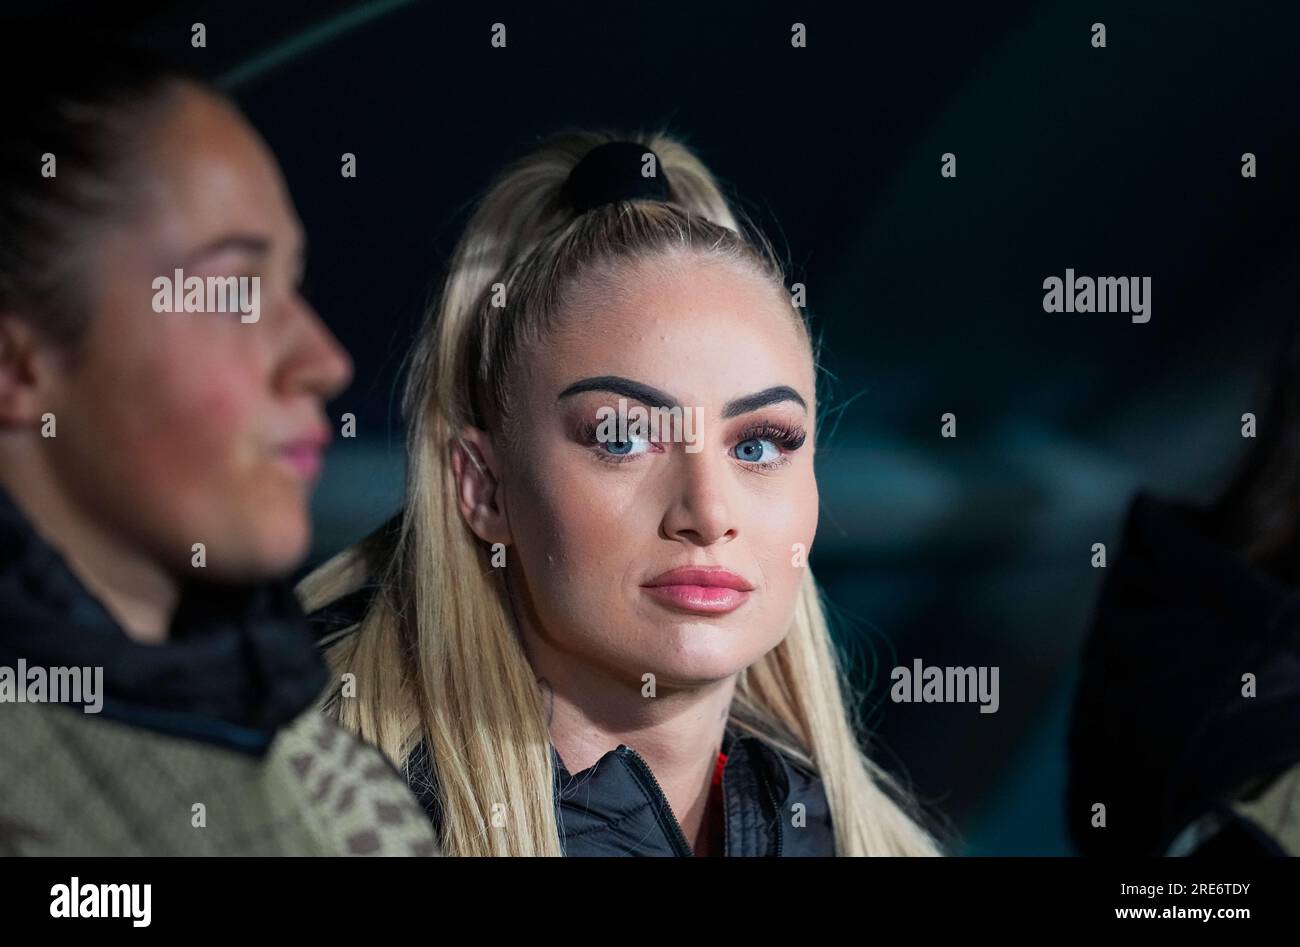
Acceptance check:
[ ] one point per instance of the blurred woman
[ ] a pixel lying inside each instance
(587, 637)
(158, 685)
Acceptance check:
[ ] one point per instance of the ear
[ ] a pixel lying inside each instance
(25, 367)
(475, 471)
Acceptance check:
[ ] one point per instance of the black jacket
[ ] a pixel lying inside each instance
(1161, 732)
(616, 807)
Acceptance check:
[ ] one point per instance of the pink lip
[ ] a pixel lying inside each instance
(708, 590)
(304, 454)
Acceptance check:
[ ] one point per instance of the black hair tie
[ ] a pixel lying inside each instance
(612, 172)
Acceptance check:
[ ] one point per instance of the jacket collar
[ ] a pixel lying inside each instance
(615, 807)
(238, 663)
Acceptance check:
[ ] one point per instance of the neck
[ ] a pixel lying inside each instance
(139, 594)
(678, 732)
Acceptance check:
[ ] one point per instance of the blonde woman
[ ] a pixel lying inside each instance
(586, 635)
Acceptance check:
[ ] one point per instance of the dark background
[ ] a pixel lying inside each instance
(927, 291)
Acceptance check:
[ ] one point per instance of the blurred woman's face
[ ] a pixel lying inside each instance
(176, 428)
(599, 526)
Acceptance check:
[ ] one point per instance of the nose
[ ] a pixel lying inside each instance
(314, 361)
(701, 510)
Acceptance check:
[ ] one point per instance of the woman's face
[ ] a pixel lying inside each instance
(176, 428)
(595, 523)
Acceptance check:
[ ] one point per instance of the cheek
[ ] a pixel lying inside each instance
(579, 534)
(782, 532)
(567, 527)
(166, 426)
(199, 424)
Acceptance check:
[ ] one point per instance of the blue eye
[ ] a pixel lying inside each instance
(625, 448)
(752, 451)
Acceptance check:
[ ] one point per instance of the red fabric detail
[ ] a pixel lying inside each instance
(717, 817)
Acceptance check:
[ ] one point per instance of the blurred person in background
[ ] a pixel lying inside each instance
(155, 473)
(1186, 724)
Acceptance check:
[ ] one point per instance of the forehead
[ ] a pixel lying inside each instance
(210, 172)
(702, 329)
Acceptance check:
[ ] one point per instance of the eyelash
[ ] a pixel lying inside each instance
(788, 438)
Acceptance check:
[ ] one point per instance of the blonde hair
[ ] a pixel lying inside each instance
(436, 657)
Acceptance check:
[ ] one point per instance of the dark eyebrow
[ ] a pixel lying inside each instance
(244, 243)
(658, 399)
(621, 386)
(760, 399)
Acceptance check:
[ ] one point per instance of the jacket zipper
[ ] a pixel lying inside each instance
(780, 818)
(670, 823)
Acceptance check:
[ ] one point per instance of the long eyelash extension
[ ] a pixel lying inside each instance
(788, 438)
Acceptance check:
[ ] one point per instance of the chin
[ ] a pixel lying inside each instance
(279, 545)
(695, 663)
(699, 674)
(287, 551)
